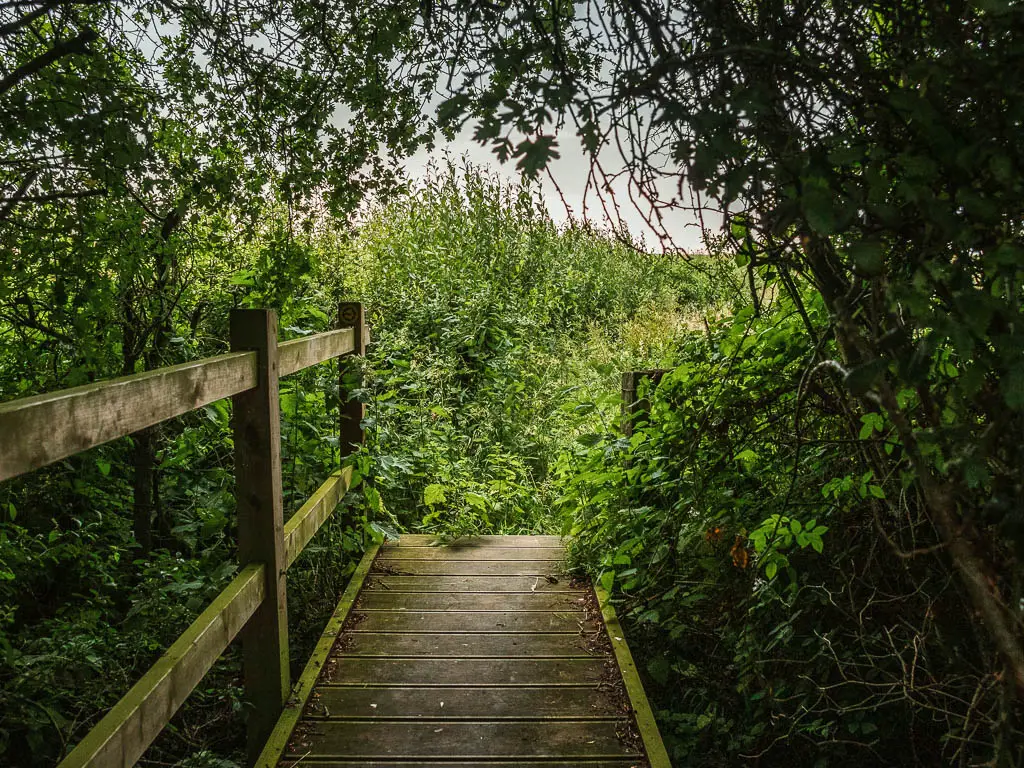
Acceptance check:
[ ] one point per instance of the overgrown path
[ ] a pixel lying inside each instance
(483, 649)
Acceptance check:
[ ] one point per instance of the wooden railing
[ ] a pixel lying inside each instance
(40, 430)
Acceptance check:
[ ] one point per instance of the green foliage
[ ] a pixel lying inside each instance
(489, 323)
(717, 526)
(478, 307)
(86, 607)
(866, 160)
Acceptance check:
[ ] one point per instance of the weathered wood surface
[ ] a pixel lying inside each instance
(490, 552)
(351, 412)
(297, 354)
(46, 428)
(485, 655)
(531, 584)
(376, 703)
(424, 540)
(122, 736)
(400, 763)
(304, 524)
(396, 566)
(467, 740)
(467, 645)
(481, 621)
(450, 673)
(471, 601)
(297, 702)
(256, 428)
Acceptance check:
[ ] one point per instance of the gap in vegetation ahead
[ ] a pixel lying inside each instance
(498, 343)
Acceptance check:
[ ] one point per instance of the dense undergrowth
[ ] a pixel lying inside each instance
(740, 527)
(816, 535)
(488, 321)
(493, 333)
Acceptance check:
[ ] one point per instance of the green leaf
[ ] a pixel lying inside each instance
(747, 457)
(373, 499)
(242, 277)
(434, 494)
(534, 155)
(382, 531)
(873, 422)
(477, 500)
(660, 669)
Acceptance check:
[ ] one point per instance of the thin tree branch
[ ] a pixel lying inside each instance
(77, 44)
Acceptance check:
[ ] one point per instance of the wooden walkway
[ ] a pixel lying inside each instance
(478, 653)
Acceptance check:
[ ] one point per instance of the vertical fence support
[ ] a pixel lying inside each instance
(257, 435)
(630, 405)
(350, 430)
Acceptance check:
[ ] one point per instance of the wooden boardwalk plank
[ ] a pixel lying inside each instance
(480, 652)
(546, 739)
(464, 703)
(320, 762)
(530, 584)
(475, 553)
(425, 540)
(414, 567)
(470, 601)
(465, 672)
(465, 645)
(482, 621)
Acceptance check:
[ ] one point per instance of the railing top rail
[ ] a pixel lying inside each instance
(42, 429)
(302, 353)
(46, 428)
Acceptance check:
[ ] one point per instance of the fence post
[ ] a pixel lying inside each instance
(630, 405)
(256, 421)
(350, 430)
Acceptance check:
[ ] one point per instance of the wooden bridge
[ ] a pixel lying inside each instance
(481, 652)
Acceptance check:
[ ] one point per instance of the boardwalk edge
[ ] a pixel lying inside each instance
(657, 755)
(278, 741)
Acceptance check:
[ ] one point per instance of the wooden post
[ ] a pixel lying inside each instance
(350, 430)
(630, 405)
(257, 434)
